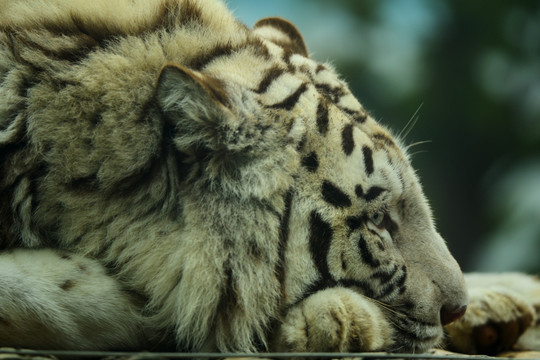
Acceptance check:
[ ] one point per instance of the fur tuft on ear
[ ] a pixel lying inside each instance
(194, 103)
(282, 32)
(178, 85)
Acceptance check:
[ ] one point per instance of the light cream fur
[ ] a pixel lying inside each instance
(37, 311)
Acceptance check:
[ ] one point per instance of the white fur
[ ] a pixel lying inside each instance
(51, 302)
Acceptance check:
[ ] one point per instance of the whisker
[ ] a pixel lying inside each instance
(396, 325)
(418, 143)
(388, 307)
(418, 152)
(410, 124)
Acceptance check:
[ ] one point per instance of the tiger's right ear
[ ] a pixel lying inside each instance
(283, 33)
(194, 103)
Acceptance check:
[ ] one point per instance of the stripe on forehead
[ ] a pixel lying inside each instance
(323, 75)
(280, 88)
(368, 159)
(269, 77)
(304, 64)
(290, 101)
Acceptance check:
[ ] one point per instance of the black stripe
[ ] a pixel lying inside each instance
(189, 12)
(322, 117)
(389, 225)
(406, 306)
(359, 191)
(255, 251)
(97, 118)
(385, 276)
(320, 67)
(357, 116)
(28, 84)
(368, 159)
(94, 35)
(148, 112)
(385, 139)
(334, 196)
(72, 55)
(364, 286)
(408, 338)
(320, 238)
(171, 15)
(386, 291)
(373, 193)
(333, 93)
(287, 53)
(85, 183)
(311, 161)
(302, 143)
(284, 236)
(394, 283)
(354, 222)
(347, 140)
(313, 288)
(400, 281)
(228, 300)
(227, 49)
(272, 74)
(366, 255)
(290, 101)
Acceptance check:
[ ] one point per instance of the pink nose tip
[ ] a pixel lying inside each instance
(450, 315)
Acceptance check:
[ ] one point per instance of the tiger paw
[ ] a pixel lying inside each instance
(494, 321)
(335, 320)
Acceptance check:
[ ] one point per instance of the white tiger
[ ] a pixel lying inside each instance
(173, 179)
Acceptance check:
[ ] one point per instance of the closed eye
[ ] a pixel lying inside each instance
(383, 221)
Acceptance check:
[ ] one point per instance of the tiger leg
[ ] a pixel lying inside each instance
(334, 320)
(56, 300)
(502, 315)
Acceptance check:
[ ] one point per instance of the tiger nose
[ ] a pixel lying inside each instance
(451, 314)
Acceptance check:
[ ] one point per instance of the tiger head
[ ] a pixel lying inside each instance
(285, 131)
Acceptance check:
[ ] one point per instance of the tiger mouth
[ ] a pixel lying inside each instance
(414, 335)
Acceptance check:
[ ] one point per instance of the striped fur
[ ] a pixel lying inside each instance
(230, 184)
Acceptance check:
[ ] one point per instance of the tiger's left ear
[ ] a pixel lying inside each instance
(282, 32)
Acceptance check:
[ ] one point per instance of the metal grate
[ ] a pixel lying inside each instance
(64, 354)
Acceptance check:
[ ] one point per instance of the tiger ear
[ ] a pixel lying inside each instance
(181, 87)
(283, 33)
(194, 103)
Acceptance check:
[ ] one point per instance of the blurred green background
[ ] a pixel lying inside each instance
(472, 70)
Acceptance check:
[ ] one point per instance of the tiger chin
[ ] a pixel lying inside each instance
(172, 178)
